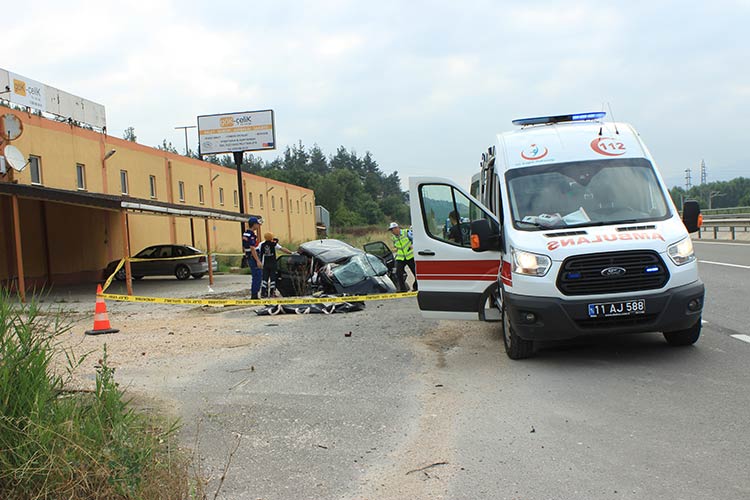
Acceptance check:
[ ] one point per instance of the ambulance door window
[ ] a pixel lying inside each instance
(448, 214)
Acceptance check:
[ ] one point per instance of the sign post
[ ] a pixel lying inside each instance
(236, 133)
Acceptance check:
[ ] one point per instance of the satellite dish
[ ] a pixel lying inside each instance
(15, 158)
(12, 127)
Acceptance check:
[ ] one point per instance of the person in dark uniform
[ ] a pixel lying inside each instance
(454, 233)
(267, 252)
(249, 242)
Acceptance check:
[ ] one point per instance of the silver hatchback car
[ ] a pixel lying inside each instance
(167, 260)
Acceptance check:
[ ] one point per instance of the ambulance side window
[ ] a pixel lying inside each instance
(448, 214)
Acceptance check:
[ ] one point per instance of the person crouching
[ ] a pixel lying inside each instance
(268, 257)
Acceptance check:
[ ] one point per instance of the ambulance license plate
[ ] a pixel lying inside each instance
(620, 308)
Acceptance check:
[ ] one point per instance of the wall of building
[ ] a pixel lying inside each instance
(93, 235)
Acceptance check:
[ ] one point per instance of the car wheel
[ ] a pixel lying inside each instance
(515, 346)
(120, 276)
(689, 336)
(198, 275)
(182, 272)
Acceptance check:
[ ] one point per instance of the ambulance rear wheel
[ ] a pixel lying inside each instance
(515, 346)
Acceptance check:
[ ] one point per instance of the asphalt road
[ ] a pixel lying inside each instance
(410, 408)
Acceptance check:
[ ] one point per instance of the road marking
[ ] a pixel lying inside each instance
(720, 243)
(704, 322)
(723, 264)
(744, 338)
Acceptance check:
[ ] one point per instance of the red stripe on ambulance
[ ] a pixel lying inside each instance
(451, 270)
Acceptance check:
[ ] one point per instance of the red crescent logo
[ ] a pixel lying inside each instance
(535, 153)
(608, 146)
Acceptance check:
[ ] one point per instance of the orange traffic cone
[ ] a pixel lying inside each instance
(101, 320)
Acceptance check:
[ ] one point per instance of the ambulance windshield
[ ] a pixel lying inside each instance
(585, 193)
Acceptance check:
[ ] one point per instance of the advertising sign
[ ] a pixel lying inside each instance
(27, 92)
(236, 132)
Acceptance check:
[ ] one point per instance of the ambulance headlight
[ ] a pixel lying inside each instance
(531, 264)
(682, 252)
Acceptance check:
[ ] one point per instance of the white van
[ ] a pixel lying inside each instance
(572, 232)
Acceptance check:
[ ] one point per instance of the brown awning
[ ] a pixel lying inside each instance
(116, 203)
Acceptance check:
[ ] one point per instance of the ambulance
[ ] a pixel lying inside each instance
(570, 231)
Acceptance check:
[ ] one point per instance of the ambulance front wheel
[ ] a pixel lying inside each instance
(689, 336)
(515, 346)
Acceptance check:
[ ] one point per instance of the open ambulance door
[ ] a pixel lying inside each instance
(455, 282)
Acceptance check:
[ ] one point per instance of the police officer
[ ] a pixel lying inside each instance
(249, 244)
(404, 256)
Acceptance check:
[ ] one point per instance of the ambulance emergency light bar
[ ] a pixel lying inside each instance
(578, 117)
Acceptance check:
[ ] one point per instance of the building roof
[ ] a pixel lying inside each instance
(116, 203)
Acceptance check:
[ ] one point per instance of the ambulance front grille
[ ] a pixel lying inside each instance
(586, 275)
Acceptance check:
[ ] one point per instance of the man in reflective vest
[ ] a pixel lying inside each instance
(404, 256)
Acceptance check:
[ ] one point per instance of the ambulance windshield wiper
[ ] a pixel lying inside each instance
(605, 223)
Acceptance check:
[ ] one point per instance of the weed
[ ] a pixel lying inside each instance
(55, 443)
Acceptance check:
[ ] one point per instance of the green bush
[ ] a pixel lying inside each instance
(61, 444)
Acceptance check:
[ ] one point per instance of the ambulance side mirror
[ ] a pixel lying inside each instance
(485, 236)
(691, 216)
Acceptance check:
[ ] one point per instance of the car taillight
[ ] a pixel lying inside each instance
(201, 259)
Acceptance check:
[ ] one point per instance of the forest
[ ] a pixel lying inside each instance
(713, 195)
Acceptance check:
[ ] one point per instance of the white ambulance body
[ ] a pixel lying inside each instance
(575, 234)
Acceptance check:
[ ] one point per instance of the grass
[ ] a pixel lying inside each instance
(359, 236)
(55, 443)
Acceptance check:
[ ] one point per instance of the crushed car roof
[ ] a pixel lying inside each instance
(330, 250)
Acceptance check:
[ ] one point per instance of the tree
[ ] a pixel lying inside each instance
(167, 146)
(129, 134)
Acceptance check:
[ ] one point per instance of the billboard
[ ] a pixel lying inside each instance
(26, 92)
(236, 132)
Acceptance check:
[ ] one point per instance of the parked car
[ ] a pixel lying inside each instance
(332, 267)
(168, 259)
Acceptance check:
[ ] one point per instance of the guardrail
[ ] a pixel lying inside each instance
(731, 225)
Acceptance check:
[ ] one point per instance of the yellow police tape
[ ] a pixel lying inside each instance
(257, 302)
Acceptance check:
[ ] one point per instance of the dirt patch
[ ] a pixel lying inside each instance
(444, 338)
(423, 465)
(157, 336)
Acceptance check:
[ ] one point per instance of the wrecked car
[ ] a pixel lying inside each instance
(332, 267)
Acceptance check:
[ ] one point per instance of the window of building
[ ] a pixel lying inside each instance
(281, 204)
(235, 198)
(305, 204)
(221, 196)
(297, 207)
(181, 190)
(201, 199)
(273, 203)
(250, 200)
(81, 176)
(260, 200)
(152, 185)
(35, 167)
(124, 181)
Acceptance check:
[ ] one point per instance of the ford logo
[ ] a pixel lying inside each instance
(613, 271)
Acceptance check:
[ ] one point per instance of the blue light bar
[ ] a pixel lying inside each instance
(652, 269)
(578, 117)
(573, 276)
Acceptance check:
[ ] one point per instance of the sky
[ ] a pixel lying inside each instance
(423, 86)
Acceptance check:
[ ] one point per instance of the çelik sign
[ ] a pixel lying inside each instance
(27, 92)
(236, 132)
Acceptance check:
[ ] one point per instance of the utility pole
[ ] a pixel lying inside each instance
(187, 149)
(688, 183)
(712, 195)
(703, 172)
